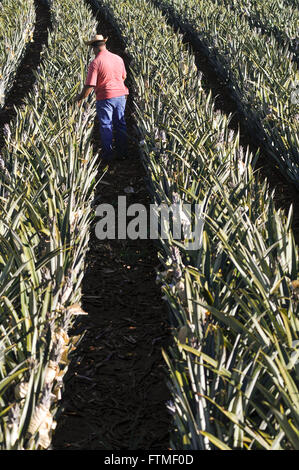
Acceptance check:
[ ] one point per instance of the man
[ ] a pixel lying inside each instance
(106, 75)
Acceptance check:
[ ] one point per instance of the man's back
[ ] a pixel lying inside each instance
(107, 73)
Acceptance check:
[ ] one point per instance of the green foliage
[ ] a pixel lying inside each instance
(233, 365)
(47, 181)
(259, 71)
(17, 20)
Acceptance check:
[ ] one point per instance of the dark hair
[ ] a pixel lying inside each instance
(98, 43)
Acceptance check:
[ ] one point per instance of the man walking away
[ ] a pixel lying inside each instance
(106, 75)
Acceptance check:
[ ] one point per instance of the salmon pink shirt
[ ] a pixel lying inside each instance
(107, 73)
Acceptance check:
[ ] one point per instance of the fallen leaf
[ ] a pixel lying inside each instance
(76, 309)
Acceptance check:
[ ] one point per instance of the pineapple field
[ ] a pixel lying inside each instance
(150, 343)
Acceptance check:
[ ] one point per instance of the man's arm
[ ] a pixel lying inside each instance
(87, 89)
(90, 82)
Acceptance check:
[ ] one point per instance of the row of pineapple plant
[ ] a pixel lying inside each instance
(260, 74)
(233, 364)
(47, 179)
(17, 22)
(271, 17)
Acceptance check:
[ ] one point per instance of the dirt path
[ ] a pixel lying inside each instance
(116, 386)
(25, 77)
(285, 192)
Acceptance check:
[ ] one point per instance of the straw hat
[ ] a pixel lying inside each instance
(96, 38)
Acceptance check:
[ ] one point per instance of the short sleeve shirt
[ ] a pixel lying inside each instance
(107, 73)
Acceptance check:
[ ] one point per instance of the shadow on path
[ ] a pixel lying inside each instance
(116, 389)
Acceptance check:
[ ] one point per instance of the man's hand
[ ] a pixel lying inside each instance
(78, 99)
(84, 93)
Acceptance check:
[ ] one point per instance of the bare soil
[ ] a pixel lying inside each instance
(115, 391)
(115, 395)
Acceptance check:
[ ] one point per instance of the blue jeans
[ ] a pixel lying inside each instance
(111, 115)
